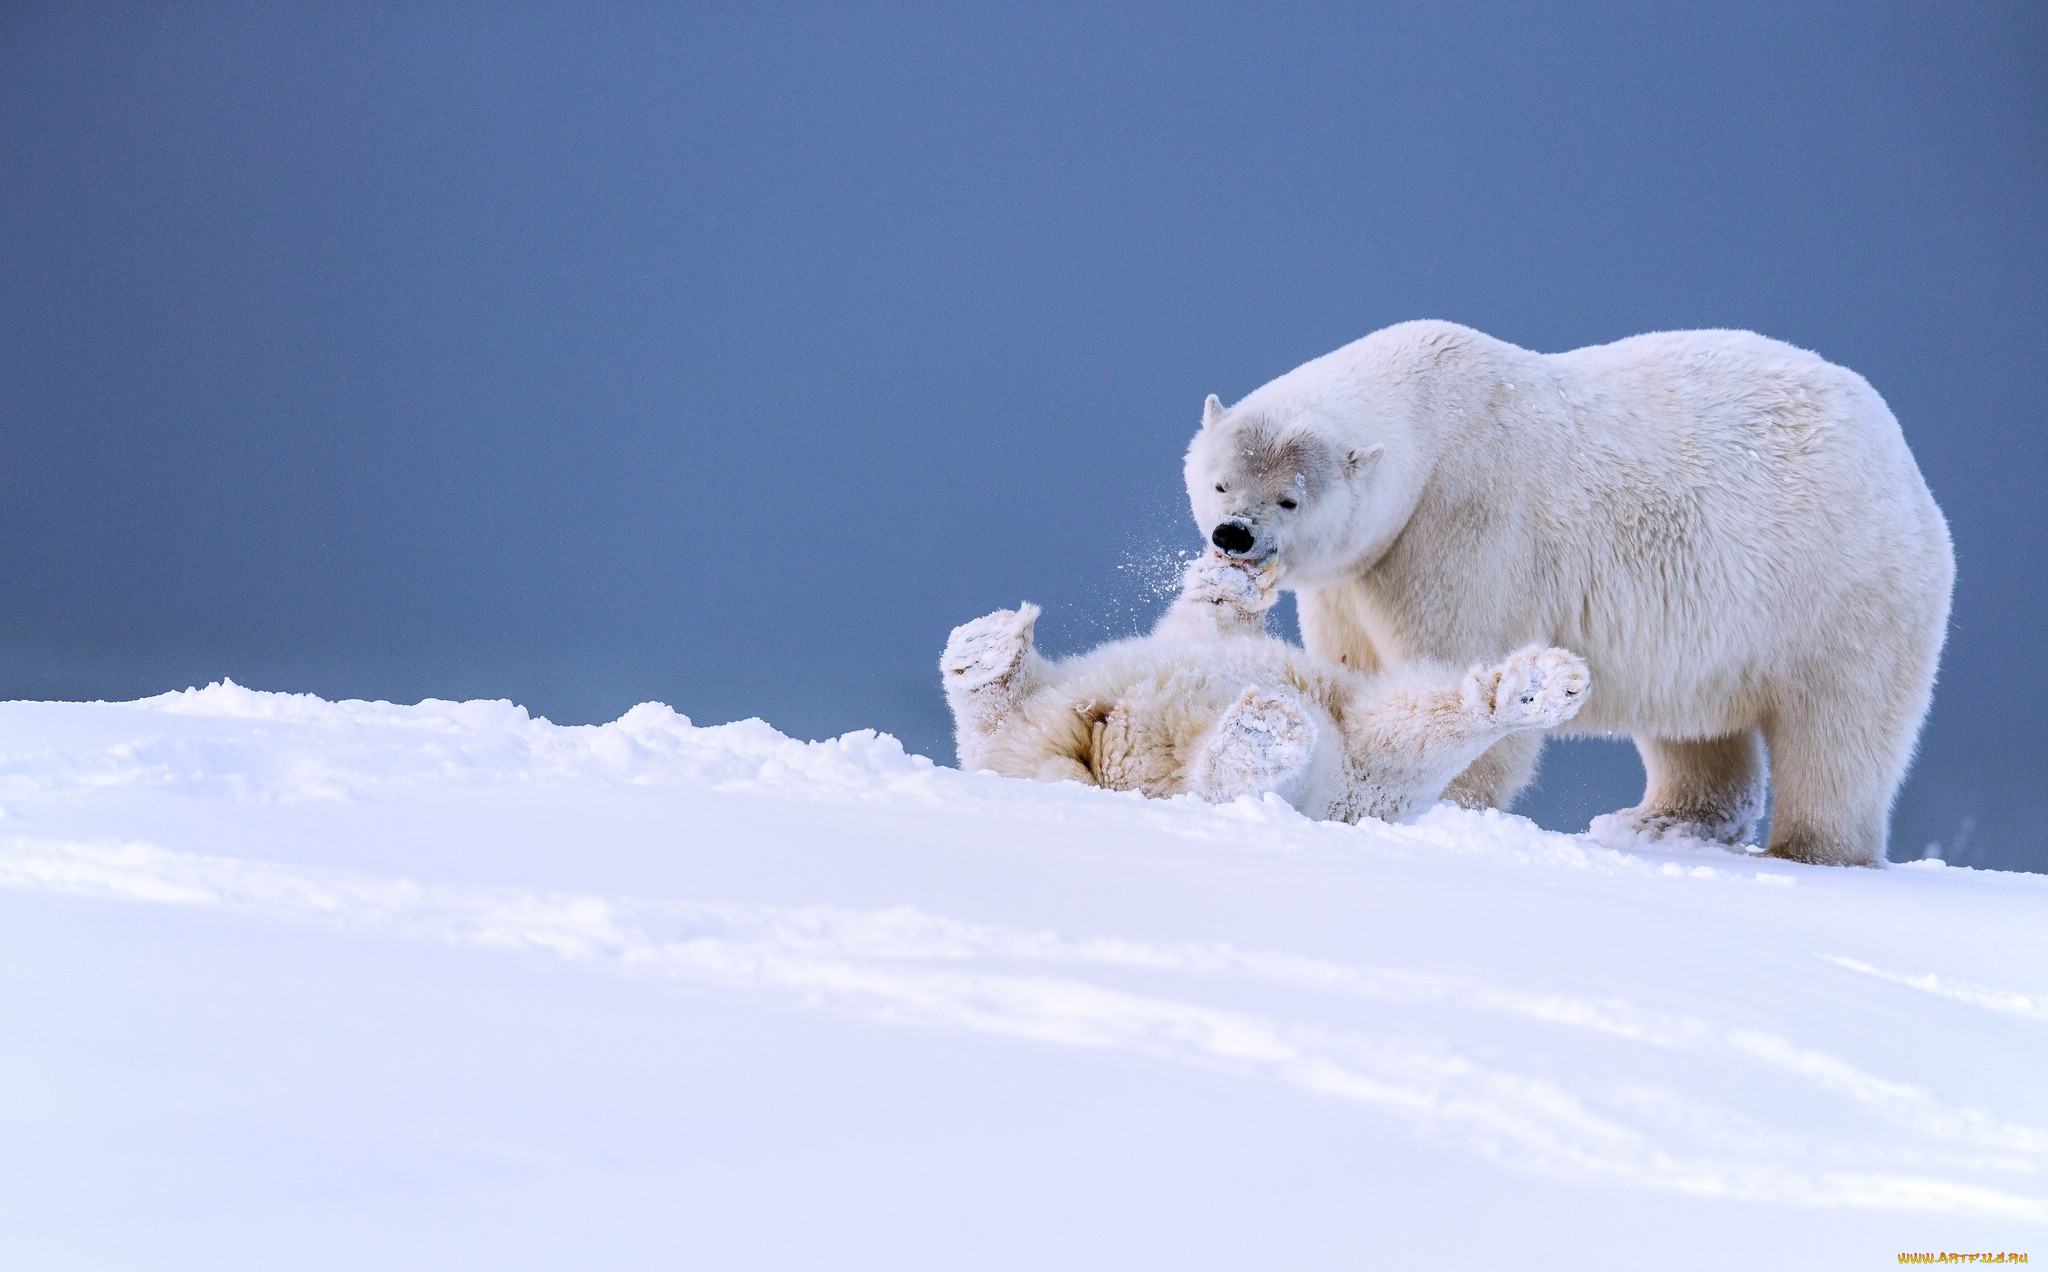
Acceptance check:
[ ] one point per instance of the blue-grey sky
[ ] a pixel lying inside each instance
(586, 354)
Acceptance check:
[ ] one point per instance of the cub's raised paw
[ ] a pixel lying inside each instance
(1249, 586)
(1261, 742)
(988, 650)
(1537, 688)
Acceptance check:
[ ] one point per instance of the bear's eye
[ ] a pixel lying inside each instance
(1287, 504)
(1219, 487)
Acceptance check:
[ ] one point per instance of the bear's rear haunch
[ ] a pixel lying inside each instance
(1730, 530)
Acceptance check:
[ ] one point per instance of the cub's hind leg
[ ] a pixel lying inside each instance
(988, 667)
(1533, 689)
(1265, 741)
(1414, 733)
(1499, 775)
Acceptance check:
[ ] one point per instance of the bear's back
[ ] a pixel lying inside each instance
(1695, 511)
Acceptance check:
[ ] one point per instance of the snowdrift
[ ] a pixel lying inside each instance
(289, 982)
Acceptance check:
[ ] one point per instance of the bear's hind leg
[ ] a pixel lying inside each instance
(1412, 737)
(1833, 777)
(1713, 789)
(988, 667)
(1498, 776)
(1264, 742)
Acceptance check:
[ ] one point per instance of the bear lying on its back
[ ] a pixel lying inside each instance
(1210, 705)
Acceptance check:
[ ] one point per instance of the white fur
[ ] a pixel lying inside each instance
(1731, 530)
(1210, 705)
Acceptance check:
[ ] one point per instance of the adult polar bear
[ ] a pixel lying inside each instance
(1730, 530)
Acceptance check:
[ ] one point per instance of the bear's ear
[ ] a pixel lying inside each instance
(1212, 411)
(1356, 462)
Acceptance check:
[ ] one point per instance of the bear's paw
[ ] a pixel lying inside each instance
(1538, 688)
(1247, 586)
(1263, 740)
(988, 650)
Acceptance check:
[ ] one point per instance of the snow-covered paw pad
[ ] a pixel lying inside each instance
(1261, 742)
(1248, 588)
(1537, 688)
(1730, 821)
(987, 652)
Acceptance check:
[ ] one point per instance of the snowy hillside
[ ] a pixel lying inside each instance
(290, 983)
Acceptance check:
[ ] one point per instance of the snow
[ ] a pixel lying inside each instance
(287, 982)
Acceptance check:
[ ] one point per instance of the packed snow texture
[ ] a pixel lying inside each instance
(296, 983)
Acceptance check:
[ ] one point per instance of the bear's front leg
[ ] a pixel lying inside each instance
(1263, 742)
(1221, 596)
(988, 667)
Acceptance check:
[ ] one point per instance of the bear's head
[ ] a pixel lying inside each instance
(1267, 485)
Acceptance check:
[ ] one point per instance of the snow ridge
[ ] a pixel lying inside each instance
(1672, 1018)
(903, 966)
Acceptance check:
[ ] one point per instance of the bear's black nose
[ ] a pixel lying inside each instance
(1233, 537)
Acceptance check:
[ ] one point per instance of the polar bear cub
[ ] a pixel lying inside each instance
(1209, 704)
